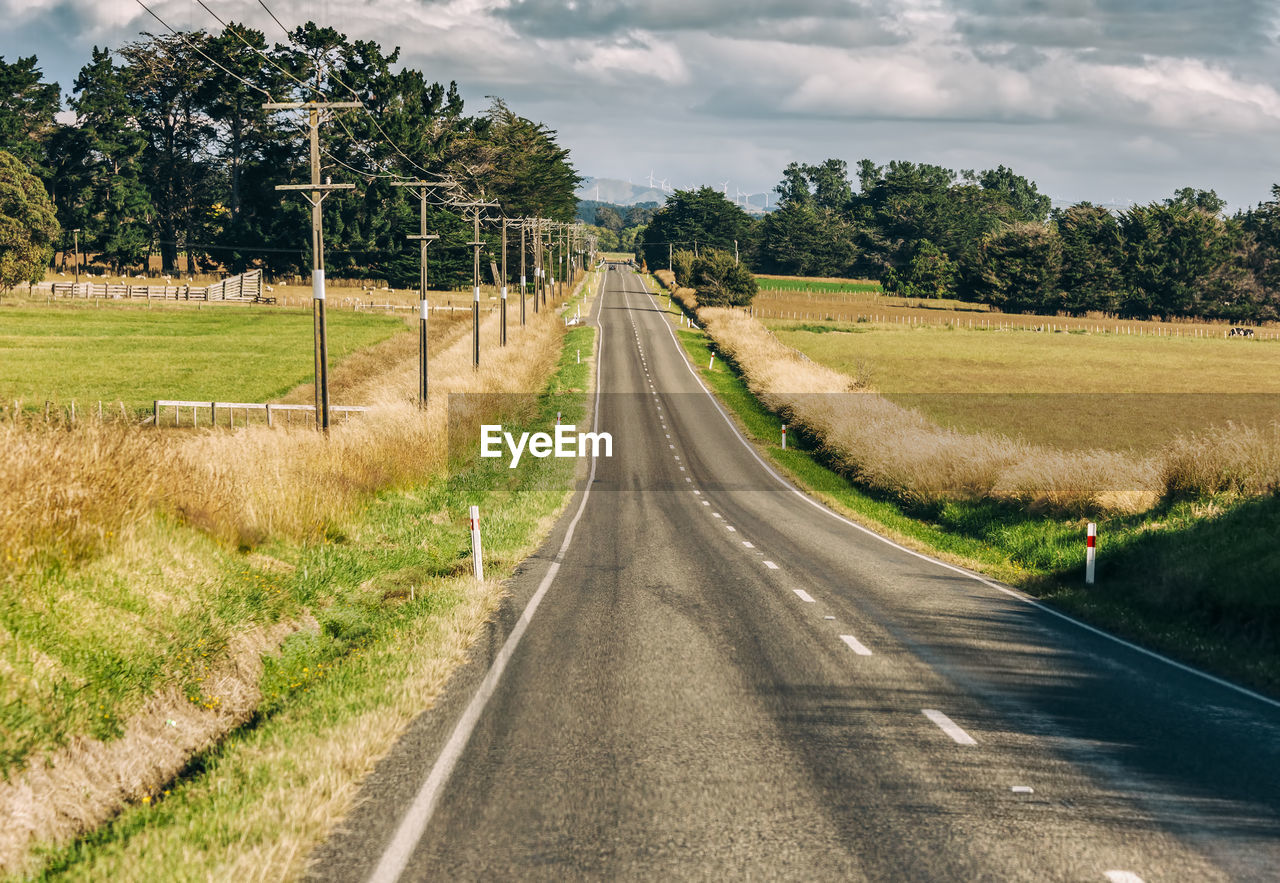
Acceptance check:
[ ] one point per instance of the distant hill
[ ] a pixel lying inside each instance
(616, 192)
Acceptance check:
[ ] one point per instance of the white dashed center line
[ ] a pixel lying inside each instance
(855, 645)
(731, 528)
(771, 565)
(803, 596)
(1122, 876)
(948, 726)
(748, 545)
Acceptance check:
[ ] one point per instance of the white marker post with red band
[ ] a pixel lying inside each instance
(476, 556)
(1089, 553)
(784, 436)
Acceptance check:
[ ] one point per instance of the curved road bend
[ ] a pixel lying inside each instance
(723, 680)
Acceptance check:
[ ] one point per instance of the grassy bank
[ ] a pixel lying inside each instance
(396, 610)
(1192, 578)
(134, 621)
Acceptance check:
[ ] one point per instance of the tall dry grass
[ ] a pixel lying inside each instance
(900, 452)
(66, 491)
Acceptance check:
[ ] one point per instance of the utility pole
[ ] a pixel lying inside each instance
(76, 234)
(424, 239)
(524, 224)
(476, 243)
(504, 282)
(315, 196)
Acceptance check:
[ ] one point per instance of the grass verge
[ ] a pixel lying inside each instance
(1193, 579)
(396, 609)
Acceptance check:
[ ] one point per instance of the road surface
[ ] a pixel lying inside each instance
(722, 680)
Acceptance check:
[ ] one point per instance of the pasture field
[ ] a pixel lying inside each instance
(128, 353)
(823, 285)
(1071, 391)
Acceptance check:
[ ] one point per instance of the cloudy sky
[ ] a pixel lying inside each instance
(1106, 100)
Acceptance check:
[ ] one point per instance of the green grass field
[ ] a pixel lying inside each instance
(1069, 390)
(133, 354)
(826, 286)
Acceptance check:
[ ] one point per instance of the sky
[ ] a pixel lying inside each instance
(1113, 101)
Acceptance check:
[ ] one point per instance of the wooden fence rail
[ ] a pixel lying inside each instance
(230, 409)
(245, 288)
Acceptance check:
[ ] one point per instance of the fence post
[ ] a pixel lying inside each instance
(1089, 553)
(476, 556)
(155, 413)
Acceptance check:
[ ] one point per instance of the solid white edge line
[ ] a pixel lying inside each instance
(415, 820)
(1012, 593)
(948, 726)
(855, 645)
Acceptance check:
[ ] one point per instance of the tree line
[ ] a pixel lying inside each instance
(991, 237)
(169, 152)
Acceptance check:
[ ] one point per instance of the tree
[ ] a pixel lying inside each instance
(720, 281)
(1019, 267)
(27, 109)
(28, 225)
(929, 273)
(698, 219)
(682, 266)
(101, 189)
(1092, 259)
(1178, 260)
(1027, 202)
(608, 218)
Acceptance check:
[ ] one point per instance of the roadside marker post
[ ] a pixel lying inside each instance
(1089, 553)
(476, 556)
(711, 364)
(784, 436)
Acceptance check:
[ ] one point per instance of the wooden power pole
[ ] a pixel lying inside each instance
(314, 193)
(424, 239)
(476, 244)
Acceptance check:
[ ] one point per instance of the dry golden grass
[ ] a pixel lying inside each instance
(899, 451)
(66, 491)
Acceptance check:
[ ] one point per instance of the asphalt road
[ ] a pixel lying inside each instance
(721, 679)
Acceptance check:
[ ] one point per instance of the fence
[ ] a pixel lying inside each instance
(230, 408)
(244, 288)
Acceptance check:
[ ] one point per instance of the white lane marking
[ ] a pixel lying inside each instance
(855, 645)
(1243, 691)
(698, 492)
(717, 514)
(682, 469)
(771, 565)
(1122, 876)
(1022, 789)
(672, 447)
(688, 479)
(706, 503)
(731, 528)
(415, 820)
(828, 617)
(668, 435)
(747, 544)
(803, 596)
(948, 726)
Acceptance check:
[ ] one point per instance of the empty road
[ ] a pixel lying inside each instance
(722, 680)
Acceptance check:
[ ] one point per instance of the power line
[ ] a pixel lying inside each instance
(274, 19)
(196, 49)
